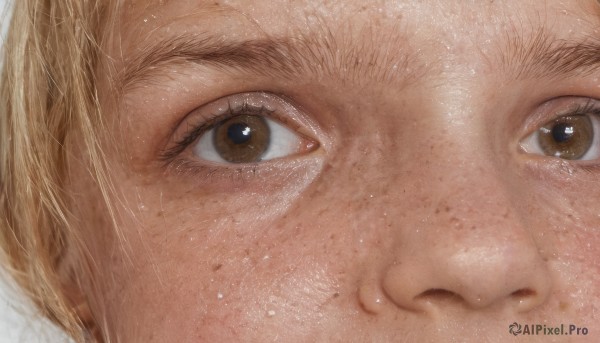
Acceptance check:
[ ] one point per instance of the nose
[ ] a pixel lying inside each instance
(476, 252)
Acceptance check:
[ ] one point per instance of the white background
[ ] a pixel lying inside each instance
(18, 319)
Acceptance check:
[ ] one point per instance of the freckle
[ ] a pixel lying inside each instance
(217, 267)
(332, 237)
(335, 295)
(160, 213)
(437, 210)
(447, 209)
(473, 227)
(563, 306)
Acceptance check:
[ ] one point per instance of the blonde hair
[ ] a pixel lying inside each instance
(47, 92)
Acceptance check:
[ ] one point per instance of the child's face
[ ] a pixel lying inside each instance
(377, 171)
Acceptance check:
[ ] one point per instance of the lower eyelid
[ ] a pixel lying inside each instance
(255, 176)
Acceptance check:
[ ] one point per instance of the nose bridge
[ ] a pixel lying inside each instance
(471, 197)
(469, 246)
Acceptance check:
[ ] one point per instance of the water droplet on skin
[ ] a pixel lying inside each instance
(219, 295)
(145, 20)
(270, 313)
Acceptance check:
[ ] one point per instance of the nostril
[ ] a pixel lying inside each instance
(523, 293)
(439, 294)
(525, 299)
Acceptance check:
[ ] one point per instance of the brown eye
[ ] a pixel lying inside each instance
(242, 139)
(568, 137)
(250, 138)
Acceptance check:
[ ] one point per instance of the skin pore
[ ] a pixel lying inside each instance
(410, 207)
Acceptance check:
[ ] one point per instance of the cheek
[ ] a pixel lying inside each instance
(248, 258)
(231, 286)
(565, 217)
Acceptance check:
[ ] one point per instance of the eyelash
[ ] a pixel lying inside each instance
(198, 130)
(590, 107)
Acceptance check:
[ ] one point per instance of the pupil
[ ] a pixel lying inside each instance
(562, 132)
(239, 133)
(242, 139)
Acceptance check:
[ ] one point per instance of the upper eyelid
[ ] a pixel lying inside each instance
(205, 124)
(555, 108)
(590, 105)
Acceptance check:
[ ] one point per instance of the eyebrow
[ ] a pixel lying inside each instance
(287, 58)
(542, 56)
(523, 57)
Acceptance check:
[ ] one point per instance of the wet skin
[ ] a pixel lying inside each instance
(410, 210)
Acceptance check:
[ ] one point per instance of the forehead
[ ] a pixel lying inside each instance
(288, 16)
(445, 31)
